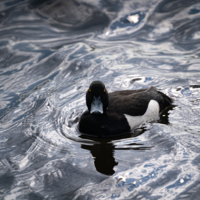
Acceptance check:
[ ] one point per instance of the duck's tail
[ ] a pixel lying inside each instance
(165, 101)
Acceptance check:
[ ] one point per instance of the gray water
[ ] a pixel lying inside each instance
(50, 52)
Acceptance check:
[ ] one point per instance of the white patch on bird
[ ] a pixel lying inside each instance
(152, 113)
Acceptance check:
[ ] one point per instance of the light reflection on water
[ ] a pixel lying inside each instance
(50, 51)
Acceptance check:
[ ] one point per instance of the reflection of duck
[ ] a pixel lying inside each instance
(120, 111)
(104, 149)
(104, 160)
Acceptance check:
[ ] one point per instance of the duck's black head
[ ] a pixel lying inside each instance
(97, 98)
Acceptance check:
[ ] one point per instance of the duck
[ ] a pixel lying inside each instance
(120, 112)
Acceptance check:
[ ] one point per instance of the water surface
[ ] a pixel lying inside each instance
(50, 52)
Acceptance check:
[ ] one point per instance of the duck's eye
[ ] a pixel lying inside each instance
(90, 90)
(104, 90)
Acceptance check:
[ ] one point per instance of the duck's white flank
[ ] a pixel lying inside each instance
(152, 113)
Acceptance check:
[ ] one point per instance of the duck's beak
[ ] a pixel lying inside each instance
(96, 106)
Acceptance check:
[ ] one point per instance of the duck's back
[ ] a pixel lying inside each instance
(135, 102)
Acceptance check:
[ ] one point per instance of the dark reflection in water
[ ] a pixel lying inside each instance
(164, 116)
(71, 15)
(50, 52)
(103, 154)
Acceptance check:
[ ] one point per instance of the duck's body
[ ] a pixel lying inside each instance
(107, 124)
(122, 110)
(135, 102)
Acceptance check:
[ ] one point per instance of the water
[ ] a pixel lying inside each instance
(50, 51)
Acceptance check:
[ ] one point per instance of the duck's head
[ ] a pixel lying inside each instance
(97, 98)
